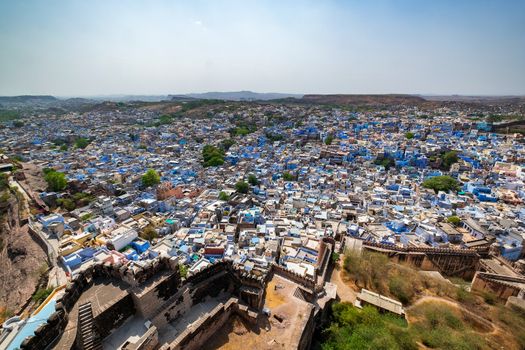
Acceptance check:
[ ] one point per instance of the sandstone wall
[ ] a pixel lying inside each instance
(199, 332)
(502, 286)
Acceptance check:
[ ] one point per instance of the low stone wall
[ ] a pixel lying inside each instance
(47, 333)
(39, 238)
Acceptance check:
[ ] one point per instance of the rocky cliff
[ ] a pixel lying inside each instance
(23, 262)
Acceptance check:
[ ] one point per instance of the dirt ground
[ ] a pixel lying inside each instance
(270, 332)
(163, 107)
(346, 289)
(273, 297)
(493, 332)
(34, 177)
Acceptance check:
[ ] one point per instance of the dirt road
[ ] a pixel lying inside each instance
(345, 290)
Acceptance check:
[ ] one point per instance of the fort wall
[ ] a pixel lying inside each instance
(503, 286)
(199, 332)
(155, 291)
(448, 261)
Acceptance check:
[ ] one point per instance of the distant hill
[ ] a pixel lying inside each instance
(28, 99)
(236, 96)
(476, 99)
(130, 98)
(340, 99)
(25, 98)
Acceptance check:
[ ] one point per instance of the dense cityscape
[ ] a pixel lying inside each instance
(145, 225)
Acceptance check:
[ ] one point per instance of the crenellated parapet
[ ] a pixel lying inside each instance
(247, 277)
(304, 281)
(428, 250)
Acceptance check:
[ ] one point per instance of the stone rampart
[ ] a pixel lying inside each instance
(503, 286)
(448, 261)
(155, 291)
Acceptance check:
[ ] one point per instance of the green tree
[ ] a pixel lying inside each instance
(252, 180)
(441, 183)
(150, 178)
(183, 270)
(63, 148)
(223, 196)
(401, 289)
(6, 116)
(18, 124)
(329, 139)
(215, 161)
(454, 220)
(82, 199)
(448, 159)
(242, 187)
(81, 142)
(366, 328)
(287, 176)
(212, 156)
(274, 137)
(227, 143)
(66, 203)
(56, 181)
(41, 295)
(4, 182)
(86, 217)
(409, 135)
(164, 119)
(386, 162)
(149, 233)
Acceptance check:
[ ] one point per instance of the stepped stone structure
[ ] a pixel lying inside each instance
(105, 299)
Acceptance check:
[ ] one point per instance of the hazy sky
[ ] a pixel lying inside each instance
(89, 47)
